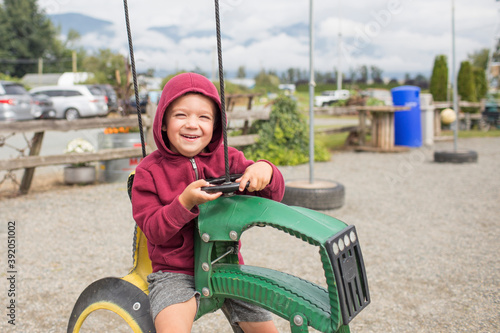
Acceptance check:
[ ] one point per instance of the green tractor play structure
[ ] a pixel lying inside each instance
(218, 274)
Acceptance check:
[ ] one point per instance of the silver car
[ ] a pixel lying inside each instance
(16, 103)
(72, 102)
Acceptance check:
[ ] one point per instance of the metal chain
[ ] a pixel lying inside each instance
(222, 97)
(134, 75)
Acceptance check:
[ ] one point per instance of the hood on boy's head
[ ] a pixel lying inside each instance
(176, 87)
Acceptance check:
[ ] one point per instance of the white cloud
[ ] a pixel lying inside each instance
(395, 35)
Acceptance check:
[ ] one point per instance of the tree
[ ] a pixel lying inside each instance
(267, 81)
(376, 74)
(241, 73)
(104, 63)
(408, 80)
(60, 57)
(421, 81)
(439, 79)
(363, 74)
(495, 57)
(480, 83)
(465, 82)
(479, 58)
(29, 35)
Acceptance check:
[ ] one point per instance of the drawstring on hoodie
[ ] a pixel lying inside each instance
(195, 167)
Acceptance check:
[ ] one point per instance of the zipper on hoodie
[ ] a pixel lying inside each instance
(195, 167)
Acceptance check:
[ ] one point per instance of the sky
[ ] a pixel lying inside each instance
(398, 36)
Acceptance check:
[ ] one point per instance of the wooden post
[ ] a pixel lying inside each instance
(150, 140)
(362, 127)
(246, 124)
(36, 145)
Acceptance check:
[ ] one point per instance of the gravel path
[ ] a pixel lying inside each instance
(429, 234)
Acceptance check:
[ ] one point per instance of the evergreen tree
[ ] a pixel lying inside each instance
(29, 35)
(465, 82)
(439, 79)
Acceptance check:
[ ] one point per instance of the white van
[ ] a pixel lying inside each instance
(72, 102)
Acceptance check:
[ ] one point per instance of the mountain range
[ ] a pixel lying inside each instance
(85, 24)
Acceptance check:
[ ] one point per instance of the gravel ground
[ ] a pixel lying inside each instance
(429, 234)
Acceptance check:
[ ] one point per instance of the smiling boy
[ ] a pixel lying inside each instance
(167, 191)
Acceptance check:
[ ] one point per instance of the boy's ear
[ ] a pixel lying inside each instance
(164, 128)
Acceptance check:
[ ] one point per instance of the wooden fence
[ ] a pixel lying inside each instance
(39, 127)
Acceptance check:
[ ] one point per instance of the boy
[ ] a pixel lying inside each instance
(167, 191)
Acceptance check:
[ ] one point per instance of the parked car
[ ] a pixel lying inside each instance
(46, 106)
(108, 91)
(72, 102)
(329, 97)
(15, 102)
(143, 102)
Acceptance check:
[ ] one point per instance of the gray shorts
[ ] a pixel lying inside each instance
(167, 288)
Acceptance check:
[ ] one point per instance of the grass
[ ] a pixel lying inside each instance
(474, 133)
(332, 141)
(335, 142)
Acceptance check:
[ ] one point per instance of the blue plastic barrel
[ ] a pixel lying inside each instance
(407, 124)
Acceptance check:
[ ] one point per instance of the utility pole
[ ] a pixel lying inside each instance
(40, 70)
(339, 55)
(311, 94)
(74, 61)
(454, 76)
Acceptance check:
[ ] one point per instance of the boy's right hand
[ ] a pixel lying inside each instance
(193, 194)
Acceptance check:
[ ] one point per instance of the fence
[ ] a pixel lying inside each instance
(38, 127)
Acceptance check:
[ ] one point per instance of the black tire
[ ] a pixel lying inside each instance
(320, 195)
(459, 156)
(116, 295)
(71, 114)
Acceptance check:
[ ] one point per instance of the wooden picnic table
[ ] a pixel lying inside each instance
(382, 128)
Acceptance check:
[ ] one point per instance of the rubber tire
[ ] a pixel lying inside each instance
(116, 292)
(71, 114)
(320, 198)
(460, 156)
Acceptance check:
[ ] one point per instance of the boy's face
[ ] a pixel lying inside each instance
(189, 123)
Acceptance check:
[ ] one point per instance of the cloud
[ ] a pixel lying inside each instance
(395, 35)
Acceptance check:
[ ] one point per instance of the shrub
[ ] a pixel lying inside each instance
(284, 138)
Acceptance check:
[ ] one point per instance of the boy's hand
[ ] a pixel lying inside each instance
(193, 194)
(258, 174)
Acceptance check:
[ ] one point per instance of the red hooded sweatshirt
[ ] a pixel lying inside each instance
(162, 176)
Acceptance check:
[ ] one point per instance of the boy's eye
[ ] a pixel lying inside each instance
(206, 117)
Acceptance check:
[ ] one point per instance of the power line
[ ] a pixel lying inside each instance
(33, 61)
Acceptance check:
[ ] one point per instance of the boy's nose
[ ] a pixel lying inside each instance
(192, 122)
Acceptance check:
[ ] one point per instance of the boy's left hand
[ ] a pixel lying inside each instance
(258, 174)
